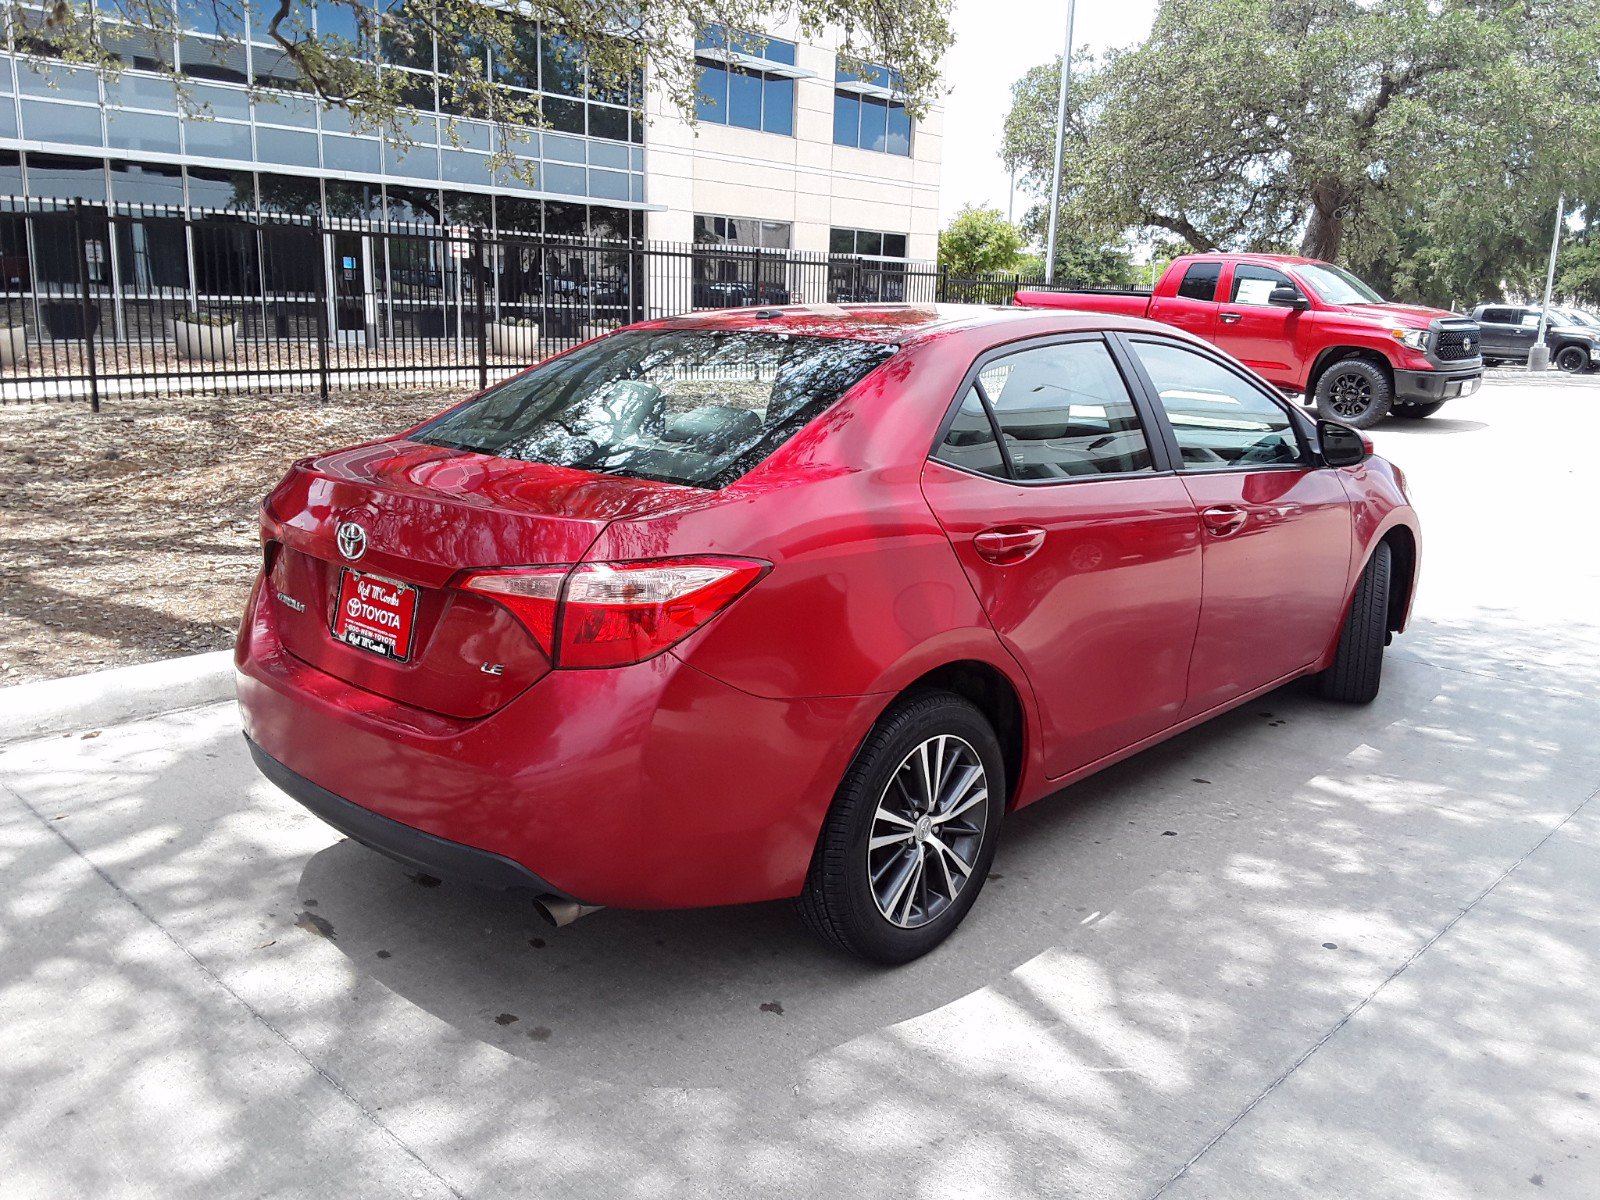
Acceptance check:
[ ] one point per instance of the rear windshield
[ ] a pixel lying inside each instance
(681, 406)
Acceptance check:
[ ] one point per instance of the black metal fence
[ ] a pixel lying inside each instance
(102, 301)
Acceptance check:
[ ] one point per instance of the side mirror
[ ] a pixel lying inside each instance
(1288, 297)
(1341, 446)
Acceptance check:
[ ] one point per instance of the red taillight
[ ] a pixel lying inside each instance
(533, 595)
(616, 613)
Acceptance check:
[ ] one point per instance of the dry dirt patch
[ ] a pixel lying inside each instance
(132, 536)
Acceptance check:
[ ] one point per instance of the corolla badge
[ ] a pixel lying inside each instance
(352, 540)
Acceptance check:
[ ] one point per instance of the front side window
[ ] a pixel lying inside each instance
(1220, 421)
(1063, 412)
(1253, 285)
(1530, 318)
(679, 406)
(1200, 281)
(735, 90)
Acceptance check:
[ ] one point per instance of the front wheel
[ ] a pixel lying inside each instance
(1417, 411)
(1574, 360)
(1357, 665)
(1355, 391)
(909, 838)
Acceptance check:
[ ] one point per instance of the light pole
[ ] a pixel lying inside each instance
(1539, 356)
(1061, 134)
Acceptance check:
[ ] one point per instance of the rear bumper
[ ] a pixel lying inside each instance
(1428, 387)
(414, 848)
(651, 786)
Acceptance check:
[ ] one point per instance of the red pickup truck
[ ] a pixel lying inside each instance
(1308, 327)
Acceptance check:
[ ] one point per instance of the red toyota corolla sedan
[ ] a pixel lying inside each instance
(802, 602)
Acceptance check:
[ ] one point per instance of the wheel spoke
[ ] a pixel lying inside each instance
(912, 873)
(936, 800)
(976, 798)
(962, 782)
(946, 851)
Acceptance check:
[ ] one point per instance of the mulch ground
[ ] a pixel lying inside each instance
(132, 535)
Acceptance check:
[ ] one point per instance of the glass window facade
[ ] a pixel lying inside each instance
(865, 113)
(736, 92)
(79, 112)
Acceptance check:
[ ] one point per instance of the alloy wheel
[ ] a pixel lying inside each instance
(927, 831)
(1350, 395)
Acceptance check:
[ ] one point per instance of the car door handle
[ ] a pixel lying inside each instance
(1007, 544)
(1224, 519)
(1231, 318)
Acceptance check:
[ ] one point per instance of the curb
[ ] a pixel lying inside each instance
(33, 710)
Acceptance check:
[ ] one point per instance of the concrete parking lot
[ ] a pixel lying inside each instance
(1302, 950)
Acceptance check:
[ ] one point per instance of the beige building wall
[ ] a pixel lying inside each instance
(806, 180)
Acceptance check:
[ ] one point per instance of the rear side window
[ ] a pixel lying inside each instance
(1500, 316)
(1200, 281)
(681, 406)
(970, 444)
(1063, 412)
(1220, 420)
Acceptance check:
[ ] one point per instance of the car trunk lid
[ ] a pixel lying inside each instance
(425, 515)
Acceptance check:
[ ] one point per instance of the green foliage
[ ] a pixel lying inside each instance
(602, 48)
(1084, 262)
(1578, 268)
(978, 240)
(1420, 141)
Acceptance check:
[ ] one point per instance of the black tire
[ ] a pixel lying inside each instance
(839, 902)
(1574, 360)
(1356, 391)
(1357, 666)
(1417, 411)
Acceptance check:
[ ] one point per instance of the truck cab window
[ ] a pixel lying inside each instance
(1200, 281)
(1253, 285)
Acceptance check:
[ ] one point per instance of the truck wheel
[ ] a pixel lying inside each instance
(1417, 411)
(1574, 360)
(1356, 391)
(1358, 662)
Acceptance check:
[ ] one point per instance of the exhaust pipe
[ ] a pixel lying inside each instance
(560, 911)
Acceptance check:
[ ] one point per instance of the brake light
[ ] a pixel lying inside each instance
(611, 614)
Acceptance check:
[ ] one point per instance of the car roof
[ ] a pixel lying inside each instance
(906, 324)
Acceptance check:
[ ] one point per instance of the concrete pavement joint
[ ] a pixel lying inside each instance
(260, 1017)
(1288, 1071)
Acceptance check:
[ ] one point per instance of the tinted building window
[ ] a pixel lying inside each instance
(733, 91)
(865, 112)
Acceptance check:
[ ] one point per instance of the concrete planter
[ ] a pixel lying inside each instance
(594, 331)
(514, 341)
(205, 343)
(13, 345)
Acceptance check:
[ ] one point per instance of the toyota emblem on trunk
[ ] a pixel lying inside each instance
(352, 540)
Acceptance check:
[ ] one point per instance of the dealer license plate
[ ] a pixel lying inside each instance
(375, 614)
